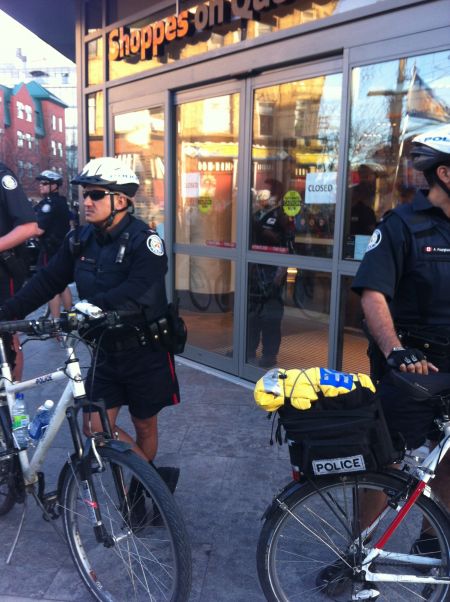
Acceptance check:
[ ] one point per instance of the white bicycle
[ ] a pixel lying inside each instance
(316, 526)
(125, 533)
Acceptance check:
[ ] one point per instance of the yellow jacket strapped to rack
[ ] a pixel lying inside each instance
(305, 386)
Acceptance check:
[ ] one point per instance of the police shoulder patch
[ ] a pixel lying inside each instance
(375, 240)
(155, 245)
(46, 208)
(9, 182)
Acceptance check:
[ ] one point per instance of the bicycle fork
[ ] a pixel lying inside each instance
(88, 461)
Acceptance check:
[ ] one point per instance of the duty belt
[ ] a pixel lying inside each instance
(412, 336)
(155, 335)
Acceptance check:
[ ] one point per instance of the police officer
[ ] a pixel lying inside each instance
(17, 224)
(117, 263)
(270, 228)
(53, 217)
(403, 281)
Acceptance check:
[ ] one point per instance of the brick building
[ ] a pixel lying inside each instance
(32, 132)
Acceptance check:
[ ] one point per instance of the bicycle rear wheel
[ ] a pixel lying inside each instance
(149, 556)
(317, 527)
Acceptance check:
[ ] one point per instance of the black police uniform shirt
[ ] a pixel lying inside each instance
(53, 216)
(122, 269)
(270, 227)
(15, 210)
(408, 260)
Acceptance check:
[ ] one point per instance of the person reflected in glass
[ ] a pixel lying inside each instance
(270, 232)
(362, 199)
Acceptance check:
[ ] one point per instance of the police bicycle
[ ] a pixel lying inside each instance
(125, 533)
(315, 527)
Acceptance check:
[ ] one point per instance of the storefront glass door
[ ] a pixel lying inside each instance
(294, 168)
(205, 219)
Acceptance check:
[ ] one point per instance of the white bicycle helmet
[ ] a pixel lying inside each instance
(50, 176)
(109, 173)
(431, 149)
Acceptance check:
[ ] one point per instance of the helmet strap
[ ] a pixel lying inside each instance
(109, 221)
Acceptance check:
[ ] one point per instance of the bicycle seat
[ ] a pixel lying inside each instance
(420, 387)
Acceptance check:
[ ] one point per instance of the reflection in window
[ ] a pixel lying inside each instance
(139, 141)
(207, 153)
(391, 103)
(287, 316)
(95, 125)
(353, 342)
(292, 13)
(95, 61)
(294, 166)
(205, 288)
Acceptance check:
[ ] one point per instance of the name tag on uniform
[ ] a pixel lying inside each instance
(271, 221)
(436, 251)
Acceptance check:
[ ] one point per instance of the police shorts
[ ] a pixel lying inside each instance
(414, 420)
(140, 378)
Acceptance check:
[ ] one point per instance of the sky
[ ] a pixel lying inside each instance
(38, 54)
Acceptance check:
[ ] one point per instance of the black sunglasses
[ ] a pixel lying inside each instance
(44, 183)
(96, 195)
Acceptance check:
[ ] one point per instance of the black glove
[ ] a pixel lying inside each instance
(405, 356)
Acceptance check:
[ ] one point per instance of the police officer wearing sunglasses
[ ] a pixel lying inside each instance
(116, 263)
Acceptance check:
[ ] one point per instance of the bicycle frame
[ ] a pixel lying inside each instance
(74, 389)
(425, 472)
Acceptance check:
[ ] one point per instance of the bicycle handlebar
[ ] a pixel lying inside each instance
(68, 322)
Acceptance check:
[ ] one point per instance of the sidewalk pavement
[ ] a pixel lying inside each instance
(229, 474)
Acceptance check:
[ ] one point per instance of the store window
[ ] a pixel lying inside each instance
(294, 166)
(205, 26)
(205, 289)
(288, 313)
(20, 138)
(139, 142)
(207, 156)
(392, 102)
(95, 125)
(95, 62)
(353, 341)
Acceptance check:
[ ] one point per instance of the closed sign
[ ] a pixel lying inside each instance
(320, 188)
(338, 465)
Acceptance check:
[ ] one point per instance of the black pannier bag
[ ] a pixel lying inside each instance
(326, 440)
(333, 421)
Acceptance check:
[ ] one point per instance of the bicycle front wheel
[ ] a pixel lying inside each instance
(310, 547)
(145, 554)
(10, 471)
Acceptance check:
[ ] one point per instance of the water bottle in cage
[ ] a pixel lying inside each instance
(38, 425)
(20, 421)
